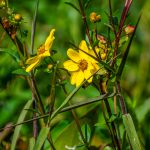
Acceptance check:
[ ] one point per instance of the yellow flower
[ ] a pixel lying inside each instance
(43, 51)
(81, 66)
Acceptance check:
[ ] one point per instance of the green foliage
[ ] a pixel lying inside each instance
(131, 67)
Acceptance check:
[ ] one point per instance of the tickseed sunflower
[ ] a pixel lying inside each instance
(43, 51)
(81, 66)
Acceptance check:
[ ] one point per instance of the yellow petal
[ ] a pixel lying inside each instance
(32, 66)
(32, 60)
(45, 54)
(73, 78)
(70, 65)
(88, 74)
(95, 68)
(49, 40)
(79, 78)
(84, 48)
(72, 54)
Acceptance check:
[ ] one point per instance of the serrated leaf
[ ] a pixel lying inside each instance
(41, 138)
(131, 132)
(12, 53)
(20, 72)
(18, 128)
(73, 6)
(31, 143)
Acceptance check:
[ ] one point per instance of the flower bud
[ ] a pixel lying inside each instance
(17, 17)
(2, 4)
(103, 56)
(129, 29)
(94, 17)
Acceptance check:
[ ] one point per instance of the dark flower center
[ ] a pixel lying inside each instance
(83, 64)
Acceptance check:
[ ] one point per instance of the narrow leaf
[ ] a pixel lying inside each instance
(20, 72)
(41, 138)
(124, 58)
(31, 143)
(18, 128)
(34, 25)
(73, 6)
(131, 132)
(11, 52)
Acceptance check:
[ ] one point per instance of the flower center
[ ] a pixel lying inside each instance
(41, 50)
(83, 64)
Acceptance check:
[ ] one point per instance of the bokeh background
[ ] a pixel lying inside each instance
(14, 91)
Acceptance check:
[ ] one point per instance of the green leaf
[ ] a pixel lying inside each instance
(12, 53)
(18, 128)
(73, 6)
(64, 142)
(68, 98)
(31, 143)
(131, 132)
(20, 72)
(87, 4)
(41, 138)
(86, 132)
(34, 25)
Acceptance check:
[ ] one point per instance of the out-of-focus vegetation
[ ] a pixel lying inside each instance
(14, 90)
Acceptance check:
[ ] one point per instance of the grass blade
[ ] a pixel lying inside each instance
(18, 128)
(41, 138)
(131, 132)
(34, 25)
(31, 143)
(124, 58)
(73, 6)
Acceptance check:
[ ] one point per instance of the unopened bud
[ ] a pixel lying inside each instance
(2, 4)
(17, 17)
(50, 66)
(103, 56)
(129, 29)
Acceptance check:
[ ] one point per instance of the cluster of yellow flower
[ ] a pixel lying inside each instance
(82, 64)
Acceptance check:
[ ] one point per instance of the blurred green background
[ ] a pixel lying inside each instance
(14, 91)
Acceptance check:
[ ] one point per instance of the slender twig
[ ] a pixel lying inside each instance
(85, 21)
(121, 99)
(114, 137)
(111, 18)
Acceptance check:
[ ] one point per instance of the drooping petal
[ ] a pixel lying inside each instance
(83, 48)
(32, 60)
(32, 65)
(73, 77)
(49, 40)
(72, 54)
(79, 78)
(45, 54)
(70, 65)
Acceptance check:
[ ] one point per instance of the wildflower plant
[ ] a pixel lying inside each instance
(97, 62)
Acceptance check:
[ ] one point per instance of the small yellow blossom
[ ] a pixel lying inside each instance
(17, 17)
(43, 51)
(94, 17)
(81, 66)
